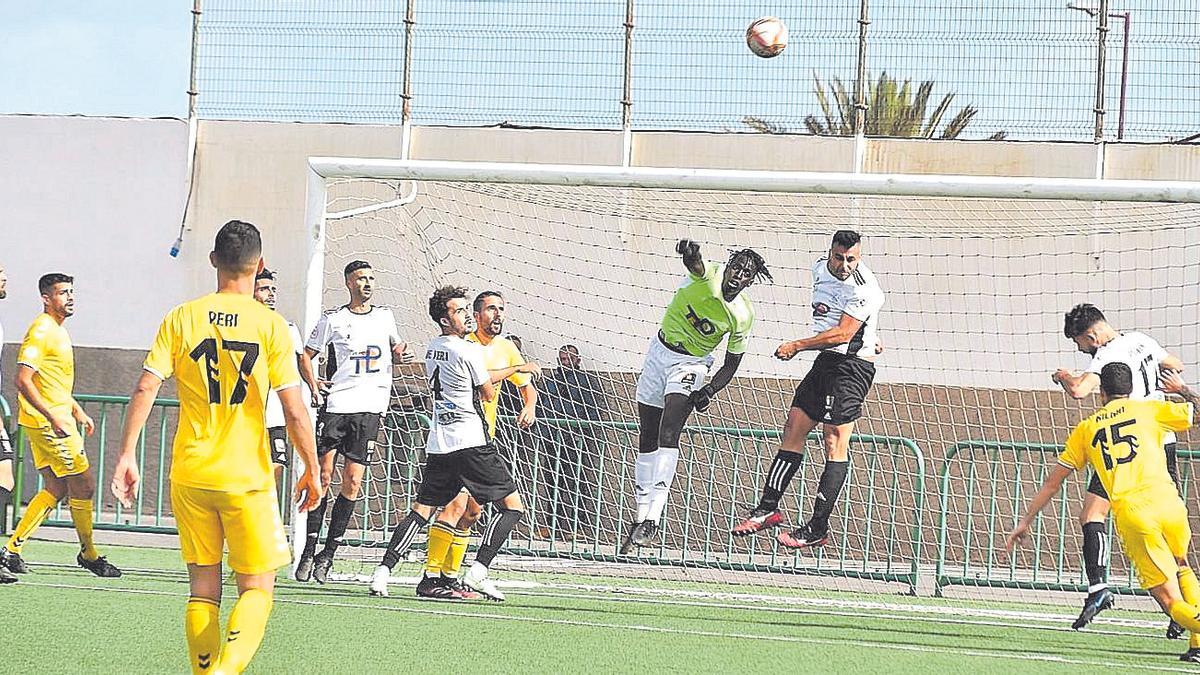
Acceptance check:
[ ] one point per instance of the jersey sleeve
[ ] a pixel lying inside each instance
(1174, 416)
(1074, 454)
(865, 302)
(476, 368)
(297, 340)
(512, 357)
(281, 356)
(160, 362)
(319, 339)
(711, 269)
(740, 336)
(33, 347)
(393, 332)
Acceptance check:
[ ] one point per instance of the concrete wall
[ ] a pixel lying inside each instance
(101, 198)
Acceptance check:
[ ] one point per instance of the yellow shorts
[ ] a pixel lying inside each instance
(1154, 533)
(248, 522)
(64, 456)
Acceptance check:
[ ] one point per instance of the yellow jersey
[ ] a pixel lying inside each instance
(1123, 441)
(497, 354)
(47, 350)
(226, 351)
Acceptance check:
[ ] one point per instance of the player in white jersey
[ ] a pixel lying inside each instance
(459, 452)
(1086, 327)
(266, 291)
(6, 456)
(363, 345)
(846, 303)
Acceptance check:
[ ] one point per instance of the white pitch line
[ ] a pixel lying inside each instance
(1041, 658)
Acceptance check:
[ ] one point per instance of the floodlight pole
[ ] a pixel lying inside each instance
(860, 83)
(627, 90)
(410, 21)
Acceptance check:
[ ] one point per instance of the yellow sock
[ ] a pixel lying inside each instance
(247, 624)
(39, 507)
(81, 515)
(1189, 587)
(1186, 615)
(440, 537)
(202, 624)
(458, 551)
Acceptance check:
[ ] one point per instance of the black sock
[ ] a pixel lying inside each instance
(832, 479)
(779, 476)
(402, 538)
(339, 520)
(5, 496)
(1093, 553)
(497, 533)
(316, 518)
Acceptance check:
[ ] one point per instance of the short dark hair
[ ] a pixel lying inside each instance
(1080, 319)
(570, 348)
(477, 306)
(760, 265)
(238, 246)
(265, 274)
(439, 299)
(1116, 379)
(846, 238)
(354, 266)
(46, 283)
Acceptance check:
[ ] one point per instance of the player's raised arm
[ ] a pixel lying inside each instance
(127, 475)
(1050, 487)
(692, 259)
(840, 334)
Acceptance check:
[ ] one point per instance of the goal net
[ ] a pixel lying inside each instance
(963, 421)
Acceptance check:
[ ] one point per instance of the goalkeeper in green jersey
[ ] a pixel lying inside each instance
(706, 308)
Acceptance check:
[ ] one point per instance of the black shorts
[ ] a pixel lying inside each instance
(834, 390)
(480, 470)
(6, 448)
(279, 448)
(1097, 488)
(353, 435)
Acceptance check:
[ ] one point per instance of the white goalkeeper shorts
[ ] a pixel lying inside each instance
(669, 372)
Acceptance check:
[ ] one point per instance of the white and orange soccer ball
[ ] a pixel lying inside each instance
(767, 37)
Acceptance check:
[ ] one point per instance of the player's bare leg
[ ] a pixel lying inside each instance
(654, 471)
(511, 510)
(316, 519)
(1095, 552)
(339, 518)
(787, 462)
(836, 441)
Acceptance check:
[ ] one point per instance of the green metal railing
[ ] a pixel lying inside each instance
(718, 476)
(987, 507)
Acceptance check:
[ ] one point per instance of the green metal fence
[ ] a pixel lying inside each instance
(985, 487)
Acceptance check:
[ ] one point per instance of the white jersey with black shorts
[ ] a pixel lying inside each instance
(359, 363)
(835, 387)
(1144, 356)
(273, 416)
(458, 452)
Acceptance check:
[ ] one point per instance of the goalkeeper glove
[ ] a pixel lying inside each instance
(702, 397)
(687, 248)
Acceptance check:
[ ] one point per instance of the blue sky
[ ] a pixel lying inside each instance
(116, 57)
(1027, 65)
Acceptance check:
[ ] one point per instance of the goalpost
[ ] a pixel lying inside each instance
(960, 427)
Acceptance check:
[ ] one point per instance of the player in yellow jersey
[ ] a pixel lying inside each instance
(1124, 443)
(448, 536)
(226, 351)
(50, 415)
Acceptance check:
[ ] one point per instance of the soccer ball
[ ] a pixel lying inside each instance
(767, 37)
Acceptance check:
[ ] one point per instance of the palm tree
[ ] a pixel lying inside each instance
(892, 110)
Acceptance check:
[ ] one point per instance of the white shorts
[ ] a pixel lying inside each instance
(667, 372)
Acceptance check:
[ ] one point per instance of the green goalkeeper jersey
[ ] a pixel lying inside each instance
(698, 316)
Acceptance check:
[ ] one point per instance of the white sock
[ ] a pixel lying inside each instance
(643, 473)
(664, 475)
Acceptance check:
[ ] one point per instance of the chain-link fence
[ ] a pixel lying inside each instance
(1018, 69)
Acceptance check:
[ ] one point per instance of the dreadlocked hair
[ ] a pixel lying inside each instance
(760, 265)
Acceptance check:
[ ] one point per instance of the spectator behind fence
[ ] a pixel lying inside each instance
(573, 395)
